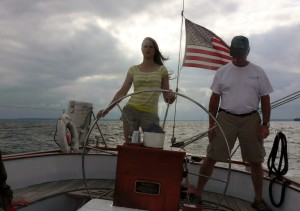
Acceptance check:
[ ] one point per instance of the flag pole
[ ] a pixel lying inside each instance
(180, 45)
(173, 139)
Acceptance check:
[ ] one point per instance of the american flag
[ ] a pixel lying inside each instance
(204, 49)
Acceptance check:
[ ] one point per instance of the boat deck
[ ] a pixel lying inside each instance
(104, 189)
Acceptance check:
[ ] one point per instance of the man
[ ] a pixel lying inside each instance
(239, 86)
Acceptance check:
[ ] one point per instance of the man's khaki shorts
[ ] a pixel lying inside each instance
(246, 130)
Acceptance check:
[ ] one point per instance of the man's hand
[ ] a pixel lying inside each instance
(264, 131)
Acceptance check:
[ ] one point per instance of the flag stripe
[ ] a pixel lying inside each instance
(217, 41)
(208, 52)
(200, 58)
(206, 61)
(209, 67)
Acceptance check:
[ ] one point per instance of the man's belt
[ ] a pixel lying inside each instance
(240, 115)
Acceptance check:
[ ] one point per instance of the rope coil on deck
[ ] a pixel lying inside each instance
(281, 170)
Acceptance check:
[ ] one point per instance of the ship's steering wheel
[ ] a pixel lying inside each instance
(181, 144)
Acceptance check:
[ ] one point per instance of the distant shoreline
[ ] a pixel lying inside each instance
(27, 119)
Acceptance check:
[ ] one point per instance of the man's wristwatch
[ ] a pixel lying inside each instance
(266, 124)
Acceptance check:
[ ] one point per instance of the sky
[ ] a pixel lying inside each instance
(55, 51)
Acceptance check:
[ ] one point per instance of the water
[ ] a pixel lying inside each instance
(18, 136)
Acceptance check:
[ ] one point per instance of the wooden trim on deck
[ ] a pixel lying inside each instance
(42, 191)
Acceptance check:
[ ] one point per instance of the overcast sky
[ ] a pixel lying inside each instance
(54, 51)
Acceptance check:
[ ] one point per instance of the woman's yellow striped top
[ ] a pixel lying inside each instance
(146, 101)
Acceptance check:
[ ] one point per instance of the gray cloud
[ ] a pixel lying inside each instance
(55, 51)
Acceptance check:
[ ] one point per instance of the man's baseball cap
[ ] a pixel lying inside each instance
(239, 47)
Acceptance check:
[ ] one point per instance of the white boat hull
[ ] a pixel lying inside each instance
(28, 170)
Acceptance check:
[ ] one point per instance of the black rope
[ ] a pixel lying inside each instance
(282, 168)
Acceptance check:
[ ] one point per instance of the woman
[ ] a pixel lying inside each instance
(141, 110)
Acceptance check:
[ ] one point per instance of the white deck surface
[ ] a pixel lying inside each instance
(102, 205)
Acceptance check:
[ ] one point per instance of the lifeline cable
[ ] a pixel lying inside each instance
(281, 170)
(284, 100)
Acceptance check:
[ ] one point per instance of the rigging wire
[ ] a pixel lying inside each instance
(284, 100)
(298, 92)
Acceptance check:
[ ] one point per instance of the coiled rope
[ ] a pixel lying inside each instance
(282, 168)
